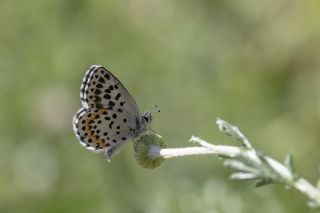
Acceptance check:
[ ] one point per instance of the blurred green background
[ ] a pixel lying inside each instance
(255, 64)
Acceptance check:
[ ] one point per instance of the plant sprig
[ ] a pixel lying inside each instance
(248, 163)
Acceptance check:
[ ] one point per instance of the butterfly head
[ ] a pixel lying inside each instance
(147, 117)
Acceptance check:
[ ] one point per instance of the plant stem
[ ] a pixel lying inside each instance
(248, 162)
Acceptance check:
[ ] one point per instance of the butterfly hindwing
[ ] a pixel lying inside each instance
(98, 129)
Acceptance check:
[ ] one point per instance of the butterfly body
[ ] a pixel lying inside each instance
(109, 116)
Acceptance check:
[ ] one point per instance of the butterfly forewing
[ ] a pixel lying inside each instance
(101, 89)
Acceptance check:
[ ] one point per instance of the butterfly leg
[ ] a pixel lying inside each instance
(108, 153)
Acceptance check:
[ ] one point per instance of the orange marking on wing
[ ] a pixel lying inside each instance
(91, 133)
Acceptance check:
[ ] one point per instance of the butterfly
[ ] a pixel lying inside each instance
(109, 116)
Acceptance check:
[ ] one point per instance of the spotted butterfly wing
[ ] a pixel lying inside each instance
(101, 89)
(109, 116)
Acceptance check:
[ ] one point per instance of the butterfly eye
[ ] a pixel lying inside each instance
(147, 117)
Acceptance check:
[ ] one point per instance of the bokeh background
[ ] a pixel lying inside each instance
(255, 64)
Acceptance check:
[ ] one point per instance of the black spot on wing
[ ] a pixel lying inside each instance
(118, 96)
(107, 76)
(101, 80)
(110, 124)
(111, 103)
(107, 96)
(97, 92)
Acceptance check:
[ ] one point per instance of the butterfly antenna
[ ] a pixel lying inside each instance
(154, 109)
